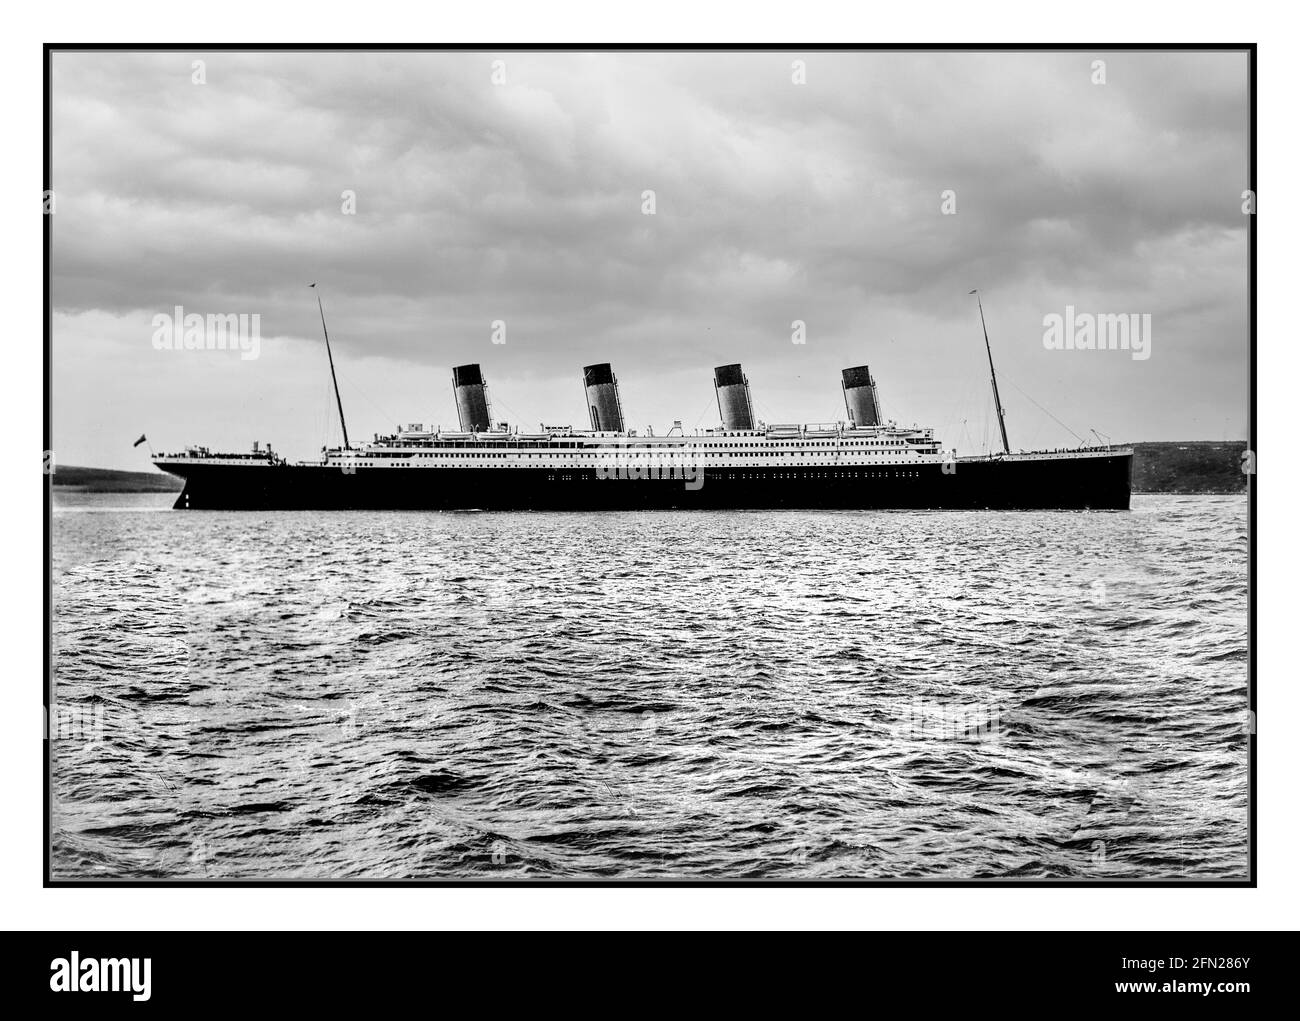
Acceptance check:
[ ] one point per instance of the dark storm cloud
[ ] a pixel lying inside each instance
(522, 202)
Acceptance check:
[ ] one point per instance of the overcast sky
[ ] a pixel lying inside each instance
(522, 201)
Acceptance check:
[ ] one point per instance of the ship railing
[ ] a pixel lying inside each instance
(204, 454)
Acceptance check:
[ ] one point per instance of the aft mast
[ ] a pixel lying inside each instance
(997, 401)
(330, 354)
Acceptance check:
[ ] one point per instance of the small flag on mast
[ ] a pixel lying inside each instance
(139, 441)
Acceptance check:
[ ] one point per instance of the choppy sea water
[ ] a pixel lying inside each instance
(796, 695)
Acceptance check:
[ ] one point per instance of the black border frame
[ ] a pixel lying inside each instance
(47, 682)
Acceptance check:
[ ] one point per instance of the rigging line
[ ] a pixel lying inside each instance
(352, 385)
(968, 440)
(965, 401)
(1046, 412)
(519, 419)
(884, 407)
(711, 403)
(325, 414)
(765, 412)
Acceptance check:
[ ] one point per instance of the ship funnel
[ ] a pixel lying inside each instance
(860, 396)
(472, 406)
(602, 398)
(734, 405)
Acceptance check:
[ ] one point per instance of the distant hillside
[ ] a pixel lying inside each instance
(106, 480)
(1190, 467)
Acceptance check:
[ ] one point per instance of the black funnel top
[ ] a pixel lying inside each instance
(466, 375)
(728, 375)
(859, 376)
(594, 375)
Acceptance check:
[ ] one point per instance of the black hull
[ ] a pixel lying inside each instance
(1050, 483)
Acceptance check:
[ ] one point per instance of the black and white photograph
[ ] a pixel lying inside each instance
(581, 468)
(638, 465)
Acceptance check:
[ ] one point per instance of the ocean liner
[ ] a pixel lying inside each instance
(863, 462)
